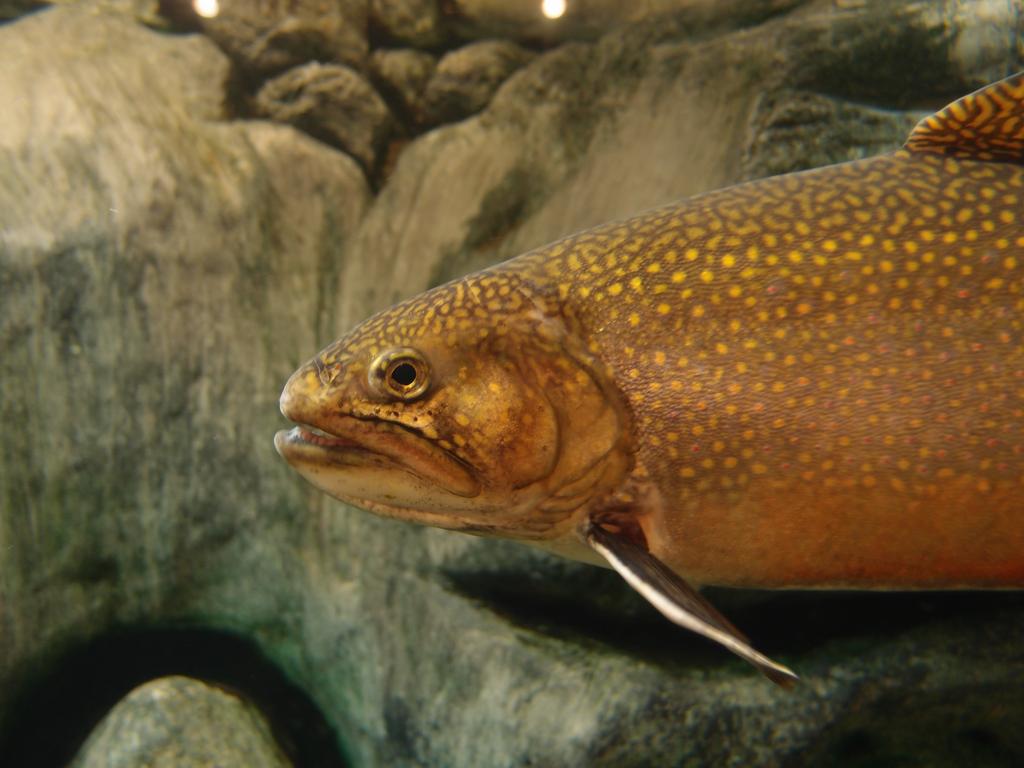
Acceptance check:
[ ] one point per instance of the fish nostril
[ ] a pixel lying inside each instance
(328, 373)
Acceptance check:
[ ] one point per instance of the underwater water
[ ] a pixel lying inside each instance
(195, 197)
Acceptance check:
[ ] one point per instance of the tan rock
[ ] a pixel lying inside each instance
(267, 37)
(333, 103)
(177, 722)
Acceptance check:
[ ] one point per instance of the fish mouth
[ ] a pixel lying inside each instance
(369, 460)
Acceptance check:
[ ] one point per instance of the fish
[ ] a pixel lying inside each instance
(808, 381)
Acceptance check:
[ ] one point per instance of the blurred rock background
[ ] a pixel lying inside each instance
(189, 207)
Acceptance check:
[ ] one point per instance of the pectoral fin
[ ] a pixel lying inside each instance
(678, 601)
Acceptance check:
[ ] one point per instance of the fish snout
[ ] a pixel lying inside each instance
(304, 389)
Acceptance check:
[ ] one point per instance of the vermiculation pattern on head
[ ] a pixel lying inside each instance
(837, 330)
(478, 309)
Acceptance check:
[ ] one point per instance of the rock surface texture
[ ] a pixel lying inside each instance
(465, 79)
(165, 264)
(332, 102)
(175, 722)
(264, 38)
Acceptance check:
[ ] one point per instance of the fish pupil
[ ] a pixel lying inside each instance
(404, 374)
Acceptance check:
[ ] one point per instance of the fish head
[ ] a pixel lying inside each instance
(470, 407)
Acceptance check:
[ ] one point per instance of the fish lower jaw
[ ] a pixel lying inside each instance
(343, 464)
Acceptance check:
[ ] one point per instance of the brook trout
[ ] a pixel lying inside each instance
(814, 380)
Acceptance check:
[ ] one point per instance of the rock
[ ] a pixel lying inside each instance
(402, 76)
(163, 269)
(418, 23)
(333, 103)
(268, 37)
(527, 20)
(793, 130)
(177, 722)
(467, 78)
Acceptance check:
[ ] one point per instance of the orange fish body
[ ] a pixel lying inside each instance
(814, 380)
(826, 372)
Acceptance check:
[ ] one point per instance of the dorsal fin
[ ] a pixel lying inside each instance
(985, 125)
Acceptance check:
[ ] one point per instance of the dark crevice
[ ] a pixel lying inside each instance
(978, 727)
(53, 710)
(598, 609)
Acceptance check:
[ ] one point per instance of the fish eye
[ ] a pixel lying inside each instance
(401, 373)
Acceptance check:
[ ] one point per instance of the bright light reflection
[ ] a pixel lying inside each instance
(206, 8)
(553, 9)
